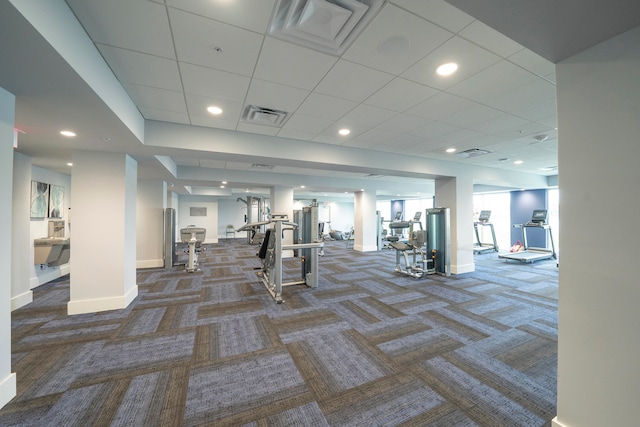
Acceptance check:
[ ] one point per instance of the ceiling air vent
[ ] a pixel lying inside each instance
(264, 116)
(473, 152)
(261, 167)
(326, 25)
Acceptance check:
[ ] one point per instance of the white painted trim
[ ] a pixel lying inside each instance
(21, 300)
(50, 275)
(102, 304)
(556, 423)
(464, 268)
(149, 263)
(7, 389)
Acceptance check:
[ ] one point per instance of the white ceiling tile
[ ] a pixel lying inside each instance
(135, 25)
(441, 105)
(213, 122)
(433, 130)
(438, 12)
(275, 96)
(210, 163)
(352, 81)
(470, 59)
(374, 137)
(196, 37)
(500, 78)
(497, 124)
(197, 106)
(485, 36)
(159, 99)
(213, 83)
(328, 139)
(403, 123)
(533, 62)
(249, 14)
(288, 64)
(327, 107)
(473, 115)
(366, 115)
(400, 95)
(392, 47)
(165, 116)
(307, 124)
(133, 67)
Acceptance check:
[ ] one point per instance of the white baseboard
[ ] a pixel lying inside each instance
(364, 248)
(555, 423)
(102, 304)
(463, 268)
(7, 389)
(21, 300)
(51, 273)
(149, 263)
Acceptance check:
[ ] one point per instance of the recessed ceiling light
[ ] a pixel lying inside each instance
(518, 162)
(447, 69)
(302, 186)
(214, 110)
(67, 133)
(222, 186)
(224, 182)
(69, 164)
(344, 132)
(451, 150)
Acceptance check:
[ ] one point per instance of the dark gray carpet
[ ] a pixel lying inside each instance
(366, 348)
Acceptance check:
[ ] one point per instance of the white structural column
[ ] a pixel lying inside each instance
(282, 203)
(103, 232)
(598, 343)
(152, 199)
(365, 227)
(7, 114)
(457, 195)
(21, 242)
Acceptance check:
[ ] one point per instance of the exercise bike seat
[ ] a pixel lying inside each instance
(400, 246)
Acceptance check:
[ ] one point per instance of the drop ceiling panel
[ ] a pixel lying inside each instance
(366, 115)
(288, 64)
(469, 57)
(196, 39)
(213, 83)
(275, 96)
(135, 25)
(197, 106)
(296, 134)
(437, 11)
(473, 115)
(352, 81)
(498, 124)
(433, 129)
(533, 62)
(403, 123)
(388, 46)
(133, 67)
(490, 39)
(160, 99)
(326, 107)
(308, 124)
(441, 105)
(248, 14)
(400, 95)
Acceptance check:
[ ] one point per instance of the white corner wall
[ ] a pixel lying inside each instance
(7, 114)
(152, 196)
(21, 241)
(599, 292)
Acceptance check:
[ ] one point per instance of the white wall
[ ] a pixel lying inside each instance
(7, 111)
(21, 241)
(599, 153)
(209, 222)
(230, 211)
(40, 227)
(152, 197)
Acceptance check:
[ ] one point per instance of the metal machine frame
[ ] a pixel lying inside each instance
(438, 242)
(271, 256)
(193, 237)
(483, 221)
(532, 254)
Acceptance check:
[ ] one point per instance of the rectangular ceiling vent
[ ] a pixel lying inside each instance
(326, 25)
(261, 167)
(472, 152)
(264, 116)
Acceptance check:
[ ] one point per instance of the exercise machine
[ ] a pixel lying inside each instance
(416, 263)
(271, 255)
(256, 212)
(483, 221)
(193, 237)
(530, 254)
(438, 240)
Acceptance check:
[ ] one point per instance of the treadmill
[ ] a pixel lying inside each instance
(483, 221)
(531, 254)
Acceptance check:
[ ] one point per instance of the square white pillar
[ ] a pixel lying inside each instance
(365, 221)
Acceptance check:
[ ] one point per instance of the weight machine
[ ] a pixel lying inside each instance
(483, 221)
(193, 237)
(271, 257)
